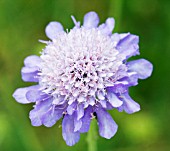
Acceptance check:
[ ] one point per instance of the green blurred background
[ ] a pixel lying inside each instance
(22, 24)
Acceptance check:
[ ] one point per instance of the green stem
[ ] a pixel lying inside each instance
(92, 136)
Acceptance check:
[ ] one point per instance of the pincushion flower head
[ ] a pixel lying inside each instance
(81, 74)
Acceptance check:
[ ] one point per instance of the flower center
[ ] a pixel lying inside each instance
(80, 65)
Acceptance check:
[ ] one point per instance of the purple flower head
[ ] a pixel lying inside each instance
(81, 74)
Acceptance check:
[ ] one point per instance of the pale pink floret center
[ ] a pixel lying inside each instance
(80, 65)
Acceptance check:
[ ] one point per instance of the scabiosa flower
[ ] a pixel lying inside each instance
(81, 74)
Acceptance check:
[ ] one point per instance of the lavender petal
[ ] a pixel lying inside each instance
(114, 100)
(31, 69)
(142, 67)
(36, 95)
(39, 111)
(129, 105)
(20, 94)
(52, 116)
(91, 20)
(128, 45)
(71, 108)
(77, 124)
(120, 87)
(107, 126)
(53, 29)
(30, 74)
(107, 27)
(68, 133)
(86, 119)
(80, 111)
(32, 61)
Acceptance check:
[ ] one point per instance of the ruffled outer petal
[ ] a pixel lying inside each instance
(86, 119)
(32, 61)
(107, 126)
(142, 67)
(80, 111)
(53, 29)
(36, 95)
(128, 45)
(30, 74)
(77, 124)
(103, 103)
(115, 38)
(129, 105)
(91, 20)
(68, 133)
(31, 69)
(53, 115)
(107, 27)
(121, 87)
(71, 108)
(114, 100)
(36, 115)
(20, 94)
(130, 80)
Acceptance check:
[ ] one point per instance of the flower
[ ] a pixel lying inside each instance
(81, 74)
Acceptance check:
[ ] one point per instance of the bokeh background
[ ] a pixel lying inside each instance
(22, 24)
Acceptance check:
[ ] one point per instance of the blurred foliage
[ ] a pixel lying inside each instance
(22, 24)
